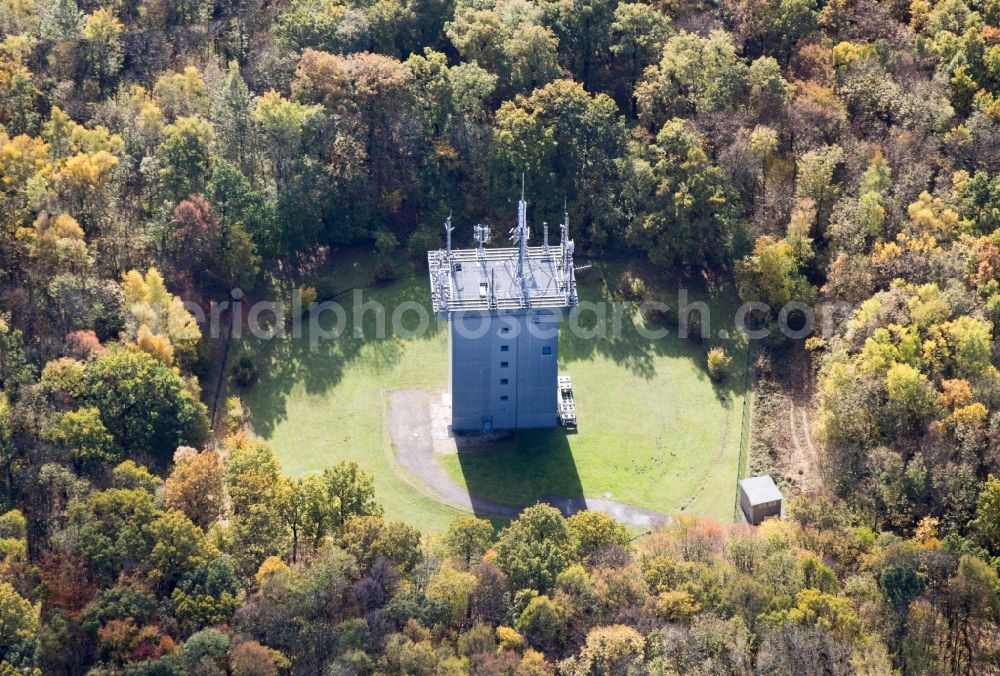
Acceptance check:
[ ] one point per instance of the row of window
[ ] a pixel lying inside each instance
(535, 319)
(546, 349)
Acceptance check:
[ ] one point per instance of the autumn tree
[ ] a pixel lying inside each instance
(253, 481)
(351, 492)
(594, 532)
(772, 26)
(102, 32)
(543, 623)
(694, 74)
(639, 33)
(113, 530)
(156, 320)
(208, 593)
(687, 213)
(182, 94)
(987, 522)
(772, 273)
(535, 548)
(185, 157)
(283, 124)
(231, 114)
(467, 538)
(19, 629)
(584, 32)
(307, 509)
(612, 649)
(195, 486)
(178, 547)
(145, 406)
(83, 433)
(247, 229)
(567, 143)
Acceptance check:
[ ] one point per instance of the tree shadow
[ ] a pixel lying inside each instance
(318, 359)
(634, 339)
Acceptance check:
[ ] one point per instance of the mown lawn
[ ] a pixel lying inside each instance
(318, 407)
(654, 430)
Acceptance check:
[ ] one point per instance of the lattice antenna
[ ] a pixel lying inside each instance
(522, 254)
(519, 235)
(448, 227)
(545, 236)
(482, 235)
(564, 235)
(441, 281)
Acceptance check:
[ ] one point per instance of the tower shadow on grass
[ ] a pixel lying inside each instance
(530, 466)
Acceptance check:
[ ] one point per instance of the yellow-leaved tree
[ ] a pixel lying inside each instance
(157, 321)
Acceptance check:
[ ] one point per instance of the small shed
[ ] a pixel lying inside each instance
(759, 498)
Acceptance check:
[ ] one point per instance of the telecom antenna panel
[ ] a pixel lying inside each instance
(482, 235)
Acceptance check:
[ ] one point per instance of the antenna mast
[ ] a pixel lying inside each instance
(522, 227)
(482, 234)
(564, 233)
(447, 232)
(522, 232)
(567, 256)
(520, 235)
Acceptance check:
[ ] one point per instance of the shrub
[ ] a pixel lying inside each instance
(235, 414)
(308, 296)
(632, 287)
(244, 371)
(718, 363)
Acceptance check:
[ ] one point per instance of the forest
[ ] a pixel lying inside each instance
(843, 153)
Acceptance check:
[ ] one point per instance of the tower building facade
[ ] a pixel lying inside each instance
(504, 307)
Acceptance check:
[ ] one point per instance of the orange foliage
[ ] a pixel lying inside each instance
(67, 582)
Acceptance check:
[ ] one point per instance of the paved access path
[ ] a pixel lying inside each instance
(411, 433)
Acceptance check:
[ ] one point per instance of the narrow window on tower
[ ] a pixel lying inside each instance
(505, 348)
(504, 364)
(546, 349)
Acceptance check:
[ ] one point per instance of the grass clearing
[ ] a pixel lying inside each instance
(318, 407)
(654, 430)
